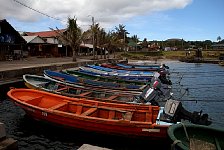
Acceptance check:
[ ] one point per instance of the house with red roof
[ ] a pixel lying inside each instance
(52, 46)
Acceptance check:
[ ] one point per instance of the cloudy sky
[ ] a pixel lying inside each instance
(151, 19)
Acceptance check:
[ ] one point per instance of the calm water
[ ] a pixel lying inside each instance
(205, 84)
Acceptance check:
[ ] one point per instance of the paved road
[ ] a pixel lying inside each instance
(34, 62)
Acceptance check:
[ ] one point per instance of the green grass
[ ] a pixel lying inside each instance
(211, 54)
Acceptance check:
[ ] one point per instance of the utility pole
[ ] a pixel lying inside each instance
(93, 37)
(124, 40)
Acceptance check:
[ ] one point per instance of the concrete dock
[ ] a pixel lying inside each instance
(13, 70)
(6, 143)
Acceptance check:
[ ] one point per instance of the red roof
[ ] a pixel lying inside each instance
(44, 33)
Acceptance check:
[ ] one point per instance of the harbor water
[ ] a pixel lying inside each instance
(197, 86)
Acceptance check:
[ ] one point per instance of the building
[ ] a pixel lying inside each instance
(34, 45)
(218, 46)
(11, 42)
(52, 46)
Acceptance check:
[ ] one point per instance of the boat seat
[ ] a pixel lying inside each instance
(61, 89)
(89, 111)
(84, 94)
(112, 97)
(58, 105)
(59, 78)
(112, 109)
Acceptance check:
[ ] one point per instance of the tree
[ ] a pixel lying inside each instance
(95, 28)
(102, 41)
(121, 34)
(72, 36)
(135, 39)
(112, 42)
(207, 44)
(145, 43)
(219, 38)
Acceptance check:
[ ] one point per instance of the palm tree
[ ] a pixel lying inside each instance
(101, 40)
(135, 39)
(72, 36)
(111, 43)
(122, 34)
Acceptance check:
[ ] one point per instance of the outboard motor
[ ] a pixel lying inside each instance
(174, 112)
(163, 77)
(165, 66)
(152, 93)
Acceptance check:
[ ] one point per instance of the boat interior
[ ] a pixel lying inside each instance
(92, 109)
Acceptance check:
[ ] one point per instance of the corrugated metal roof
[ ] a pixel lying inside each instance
(33, 39)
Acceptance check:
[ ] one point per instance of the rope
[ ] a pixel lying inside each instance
(178, 141)
(185, 130)
(174, 143)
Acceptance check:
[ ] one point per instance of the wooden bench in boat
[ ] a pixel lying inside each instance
(59, 78)
(127, 115)
(58, 105)
(84, 94)
(61, 89)
(89, 111)
(112, 97)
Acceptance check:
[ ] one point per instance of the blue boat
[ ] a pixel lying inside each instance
(96, 76)
(133, 67)
(82, 81)
(122, 76)
(123, 72)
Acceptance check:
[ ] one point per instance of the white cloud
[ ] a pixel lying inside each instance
(107, 12)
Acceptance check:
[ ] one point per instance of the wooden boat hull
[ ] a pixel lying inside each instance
(200, 137)
(45, 84)
(139, 121)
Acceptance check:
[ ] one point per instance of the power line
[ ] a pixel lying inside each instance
(37, 10)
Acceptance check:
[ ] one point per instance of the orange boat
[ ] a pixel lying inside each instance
(132, 120)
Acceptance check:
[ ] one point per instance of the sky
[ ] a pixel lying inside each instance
(191, 20)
